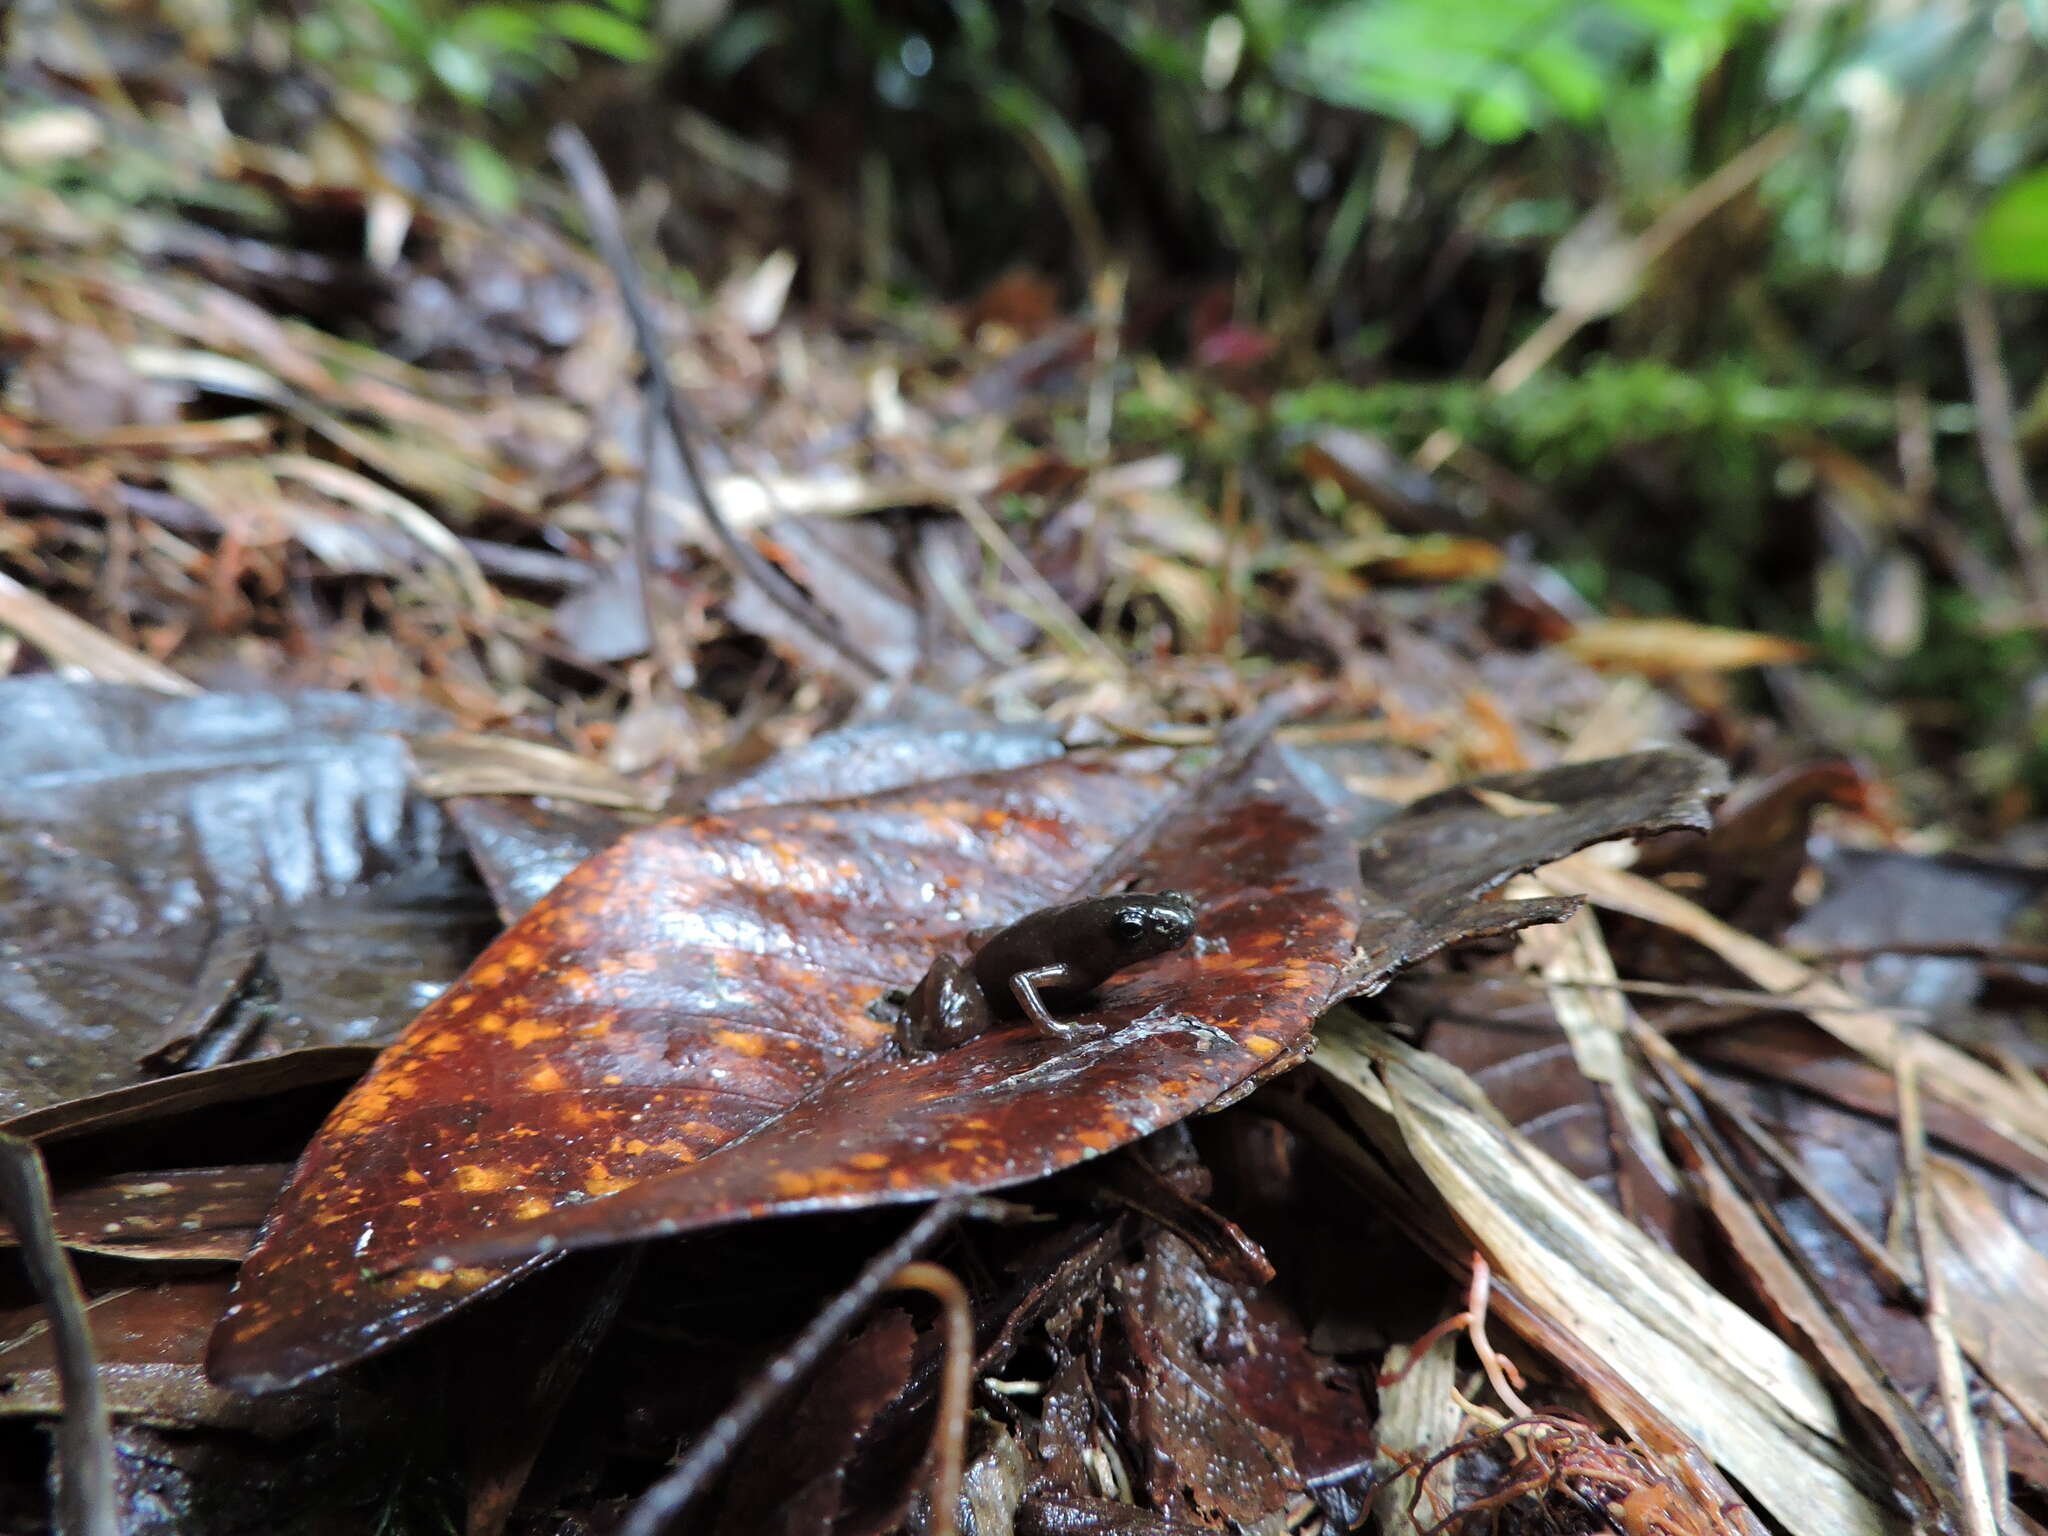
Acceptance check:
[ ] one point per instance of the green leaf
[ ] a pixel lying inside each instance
(594, 27)
(2011, 242)
(1573, 83)
(492, 181)
(1500, 114)
(464, 71)
(404, 20)
(497, 28)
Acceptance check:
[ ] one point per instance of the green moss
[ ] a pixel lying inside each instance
(1559, 423)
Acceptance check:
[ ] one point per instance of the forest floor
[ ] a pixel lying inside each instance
(385, 663)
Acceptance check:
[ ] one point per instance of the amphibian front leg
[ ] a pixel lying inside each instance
(1063, 952)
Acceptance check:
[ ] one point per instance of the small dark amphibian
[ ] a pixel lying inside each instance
(1057, 952)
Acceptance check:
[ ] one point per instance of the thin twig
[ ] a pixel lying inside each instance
(645, 544)
(1736, 1198)
(1996, 441)
(949, 1434)
(661, 1504)
(601, 212)
(87, 1504)
(1933, 949)
(1680, 991)
(1978, 1509)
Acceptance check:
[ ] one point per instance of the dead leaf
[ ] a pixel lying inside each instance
(148, 1341)
(177, 1214)
(711, 973)
(1190, 1341)
(559, 1097)
(1756, 1407)
(1666, 648)
(1669, 647)
(139, 827)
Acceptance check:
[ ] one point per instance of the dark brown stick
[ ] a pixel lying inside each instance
(601, 212)
(86, 1501)
(661, 1504)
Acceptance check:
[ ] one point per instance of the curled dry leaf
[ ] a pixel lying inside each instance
(1427, 868)
(682, 1033)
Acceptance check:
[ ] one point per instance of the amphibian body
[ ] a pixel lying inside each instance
(1057, 953)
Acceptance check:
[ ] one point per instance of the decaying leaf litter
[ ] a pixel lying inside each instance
(1728, 1099)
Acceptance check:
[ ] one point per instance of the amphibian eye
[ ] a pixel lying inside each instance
(1127, 925)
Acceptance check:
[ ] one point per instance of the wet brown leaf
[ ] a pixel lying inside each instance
(681, 1033)
(148, 1341)
(1195, 1343)
(172, 1214)
(680, 989)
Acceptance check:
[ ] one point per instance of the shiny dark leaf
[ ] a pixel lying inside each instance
(138, 829)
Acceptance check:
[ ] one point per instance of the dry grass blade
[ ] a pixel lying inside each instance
(751, 500)
(469, 763)
(1754, 1405)
(1959, 1079)
(1419, 1419)
(1573, 960)
(1046, 607)
(74, 645)
(87, 1505)
(1979, 1512)
(1997, 1290)
(1731, 1111)
(365, 495)
(1798, 1295)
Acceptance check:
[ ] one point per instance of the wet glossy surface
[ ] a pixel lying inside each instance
(690, 983)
